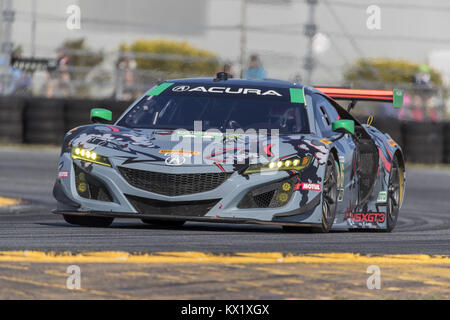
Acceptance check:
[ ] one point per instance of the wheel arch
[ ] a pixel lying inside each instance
(402, 174)
(401, 161)
(334, 152)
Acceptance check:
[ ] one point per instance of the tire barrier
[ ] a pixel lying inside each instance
(391, 126)
(11, 119)
(44, 121)
(423, 142)
(447, 143)
(78, 110)
(387, 125)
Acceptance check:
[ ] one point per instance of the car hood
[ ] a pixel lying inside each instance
(157, 145)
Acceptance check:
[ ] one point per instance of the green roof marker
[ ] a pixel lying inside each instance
(157, 90)
(397, 98)
(297, 95)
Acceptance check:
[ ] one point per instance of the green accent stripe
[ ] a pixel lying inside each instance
(397, 98)
(157, 90)
(297, 95)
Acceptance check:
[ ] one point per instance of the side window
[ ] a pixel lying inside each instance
(325, 114)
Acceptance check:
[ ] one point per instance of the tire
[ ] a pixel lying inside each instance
(329, 201)
(329, 195)
(164, 223)
(97, 222)
(394, 196)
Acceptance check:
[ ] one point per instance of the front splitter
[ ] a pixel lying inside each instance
(178, 218)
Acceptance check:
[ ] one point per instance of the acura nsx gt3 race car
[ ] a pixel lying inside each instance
(234, 151)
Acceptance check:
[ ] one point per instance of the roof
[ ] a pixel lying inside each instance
(272, 83)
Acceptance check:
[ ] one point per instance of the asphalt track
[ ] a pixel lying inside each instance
(28, 174)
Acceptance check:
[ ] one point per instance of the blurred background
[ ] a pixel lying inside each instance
(59, 58)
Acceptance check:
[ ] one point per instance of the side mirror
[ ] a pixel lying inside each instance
(344, 126)
(99, 115)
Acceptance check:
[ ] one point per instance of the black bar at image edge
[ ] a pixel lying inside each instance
(222, 309)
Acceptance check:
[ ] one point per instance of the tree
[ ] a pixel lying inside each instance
(386, 71)
(80, 55)
(172, 57)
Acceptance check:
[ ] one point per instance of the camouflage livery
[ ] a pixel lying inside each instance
(143, 176)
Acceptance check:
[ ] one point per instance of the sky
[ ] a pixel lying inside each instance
(414, 30)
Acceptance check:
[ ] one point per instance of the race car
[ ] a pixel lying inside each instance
(234, 151)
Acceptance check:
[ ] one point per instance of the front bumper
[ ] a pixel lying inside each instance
(228, 195)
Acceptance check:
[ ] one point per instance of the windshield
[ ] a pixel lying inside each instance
(222, 112)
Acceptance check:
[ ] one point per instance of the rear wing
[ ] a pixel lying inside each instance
(395, 96)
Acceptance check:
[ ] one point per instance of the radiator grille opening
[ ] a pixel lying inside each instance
(173, 184)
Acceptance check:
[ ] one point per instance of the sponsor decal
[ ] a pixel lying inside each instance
(372, 217)
(180, 88)
(163, 132)
(382, 196)
(341, 195)
(180, 152)
(175, 160)
(200, 134)
(391, 142)
(341, 178)
(226, 90)
(63, 174)
(321, 153)
(311, 186)
(325, 141)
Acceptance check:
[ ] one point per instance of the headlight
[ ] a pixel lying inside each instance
(295, 163)
(90, 156)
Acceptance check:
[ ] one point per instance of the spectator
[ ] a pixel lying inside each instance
(20, 81)
(125, 69)
(255, 69)
(422, 108)
(59, 78)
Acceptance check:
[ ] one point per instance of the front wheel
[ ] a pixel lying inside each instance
(329, 195)
(98, 222)
(329, 200)
(394, 195)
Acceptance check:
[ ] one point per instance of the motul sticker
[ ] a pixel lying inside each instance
(63, 174)
(311, 186)
(368, 217)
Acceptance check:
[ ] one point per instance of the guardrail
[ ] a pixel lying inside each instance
(45, 121)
